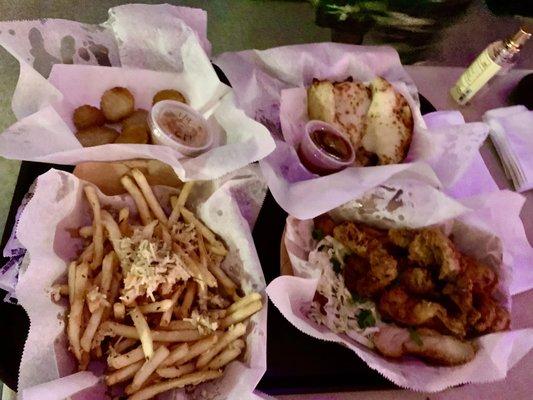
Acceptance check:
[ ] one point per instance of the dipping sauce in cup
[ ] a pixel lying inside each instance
(324, 150)
(179, 126)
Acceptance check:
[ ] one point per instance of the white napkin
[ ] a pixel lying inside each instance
(511, 131)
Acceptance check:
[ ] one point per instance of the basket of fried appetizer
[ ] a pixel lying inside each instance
(426, 306)
(153, 299)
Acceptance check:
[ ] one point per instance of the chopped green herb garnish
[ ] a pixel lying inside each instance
(365, 319)
(336, 265)
(356, 298)
(317, 234)
(321, 247)
(415, 337)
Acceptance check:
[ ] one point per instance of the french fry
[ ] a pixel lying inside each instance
(147, 369)
(208, 277)
(204, 230)
(176, 372)
(140, 202)
(176, 353)
(223, 279)
(195, 349)
(167, 315)
(194, 378)
(149, 196)
(123, 360)
(59, 290)
(167, 237)
(98, 234)
(87, 255)
(157, 307)
(86, 231)
(227, 355)
(108, 265)
(112, 229)
(71, 282)
(219, 250)
(123, 374)
(189, 263)
(158, 336)
(249, 298)
(123, 344)
(180, 202)
(143, 331)
(119, 311)
(76, 310)
(123, 214)
(241, 314)
(188, 298)
(123, 221)
(179, 325)
(228, 337)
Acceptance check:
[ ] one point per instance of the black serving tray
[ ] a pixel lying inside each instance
(296, 362)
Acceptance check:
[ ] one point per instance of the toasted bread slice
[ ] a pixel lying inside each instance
(389, 124)
(321, 101)
(352, 101)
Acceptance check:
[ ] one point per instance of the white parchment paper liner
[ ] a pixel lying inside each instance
(57, 205)
(270, 87)
(482, 232)
(140, 39)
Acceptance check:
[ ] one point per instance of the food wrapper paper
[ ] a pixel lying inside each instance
(482, 232)
(65, 64)
(47, 369)
(271, 87)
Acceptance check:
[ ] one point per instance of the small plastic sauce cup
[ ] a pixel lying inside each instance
(179, 126)
(324, 150)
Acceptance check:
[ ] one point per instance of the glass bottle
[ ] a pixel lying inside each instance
(497, 56)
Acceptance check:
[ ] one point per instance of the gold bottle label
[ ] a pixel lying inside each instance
(474, 78)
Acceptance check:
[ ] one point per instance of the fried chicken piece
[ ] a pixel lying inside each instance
(396, 304)
(460, 293)
(371, 268)
(428, 344)
(483, 278)
(402, 237)
(325, 223)
(432, 247)
(492, 316)
(369, 276)
(417, 280)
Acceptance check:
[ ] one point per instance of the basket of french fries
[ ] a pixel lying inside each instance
(153, 297)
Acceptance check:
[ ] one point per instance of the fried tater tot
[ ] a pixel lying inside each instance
(96, 136)
(117, 103)
(87, 116)
(169, 94)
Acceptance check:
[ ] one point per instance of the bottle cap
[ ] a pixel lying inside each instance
(520, 38)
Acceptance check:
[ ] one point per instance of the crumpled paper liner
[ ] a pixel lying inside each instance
(57, 205)
(129, 50)
(270, 87)
(482, 232)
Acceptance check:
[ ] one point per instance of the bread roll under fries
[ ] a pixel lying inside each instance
(154, 305)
